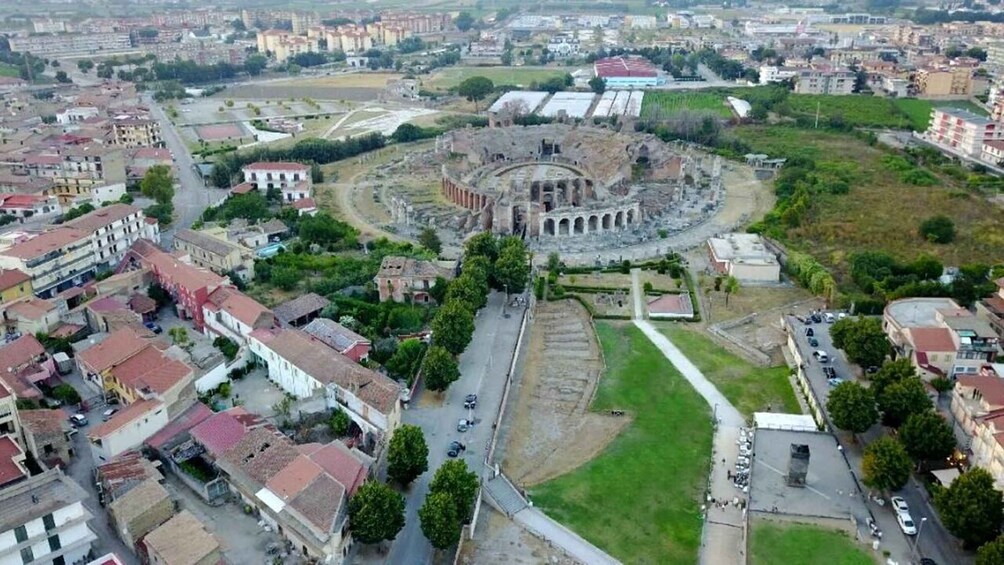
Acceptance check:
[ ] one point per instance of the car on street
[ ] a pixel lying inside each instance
(813, 342)
(821, 355)
(153, 327)
(463, 425)
(830, 318)
(455, 448)
(906, 523)
(471, 401)
(834, 381)
(107, 414)
(816, 317)
(78, 420)
(899, 505)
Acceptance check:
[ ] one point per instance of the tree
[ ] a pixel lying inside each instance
(464, 21)
(598, 85)
(938, 229)
(512, 268)
(430, 240)
(484, 244)
(453, 327)
(404, 362)
(991, 553)
(862, 339)
(852, 407)
(339, 423)
(62, 77)
(475, 89)
(285, 278)
(408, 454)
(158, 184)
(901, 400)
(468, 290)
(439, 369)
(179, 335)
(376, 513)
(553, 262)
(157, 293)
(731, 287)
(66, 394)
(439, 289)
(407, 132)
(439, 521)
(890, 373)
(971, 508)
(885, 465)
(927, 436)
(456, 480)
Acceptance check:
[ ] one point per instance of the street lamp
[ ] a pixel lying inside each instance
(916, 540)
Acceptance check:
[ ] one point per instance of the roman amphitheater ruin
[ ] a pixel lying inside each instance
(562, 187)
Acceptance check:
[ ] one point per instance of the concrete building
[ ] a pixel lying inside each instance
(944, 81)
(743, 256)
(76, 114)
(141, 510)
(45, 436)
(304, 366)
(113, 229)
(136, 131)
(26, 206)
(340, 338)
(75, 169)
(14, 284)
(55, 260)
(10, 422)
(44, 521)
(292, 178)
(991, 309)
(230, 313)
(962, 131)
(216, 254)
(627, 72)
(62, 44)
(402, 278)
(23, 363)
(31, 316)
(127, 429)
(824, 81)
(772, 73)
(164, 545)
(978, 407)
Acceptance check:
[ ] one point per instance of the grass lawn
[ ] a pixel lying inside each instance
(880, 212)
(673, 102)
(750, 388)
(639, 499)
(9, 70)
(799, 544)
(519, 76)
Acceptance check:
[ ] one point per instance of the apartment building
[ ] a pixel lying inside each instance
(216, 254)
(75, 169)
(978, 407)
(55, 260)
(387, 34)
(127, 429)
(349, 39)
(944, 81)
(292, 178)
(44, 521)
(71, 43)
(962, 131)
(284, 45)
(113, 229)
(824, 80)
(418, 23)
(991, 309)
(136, 131)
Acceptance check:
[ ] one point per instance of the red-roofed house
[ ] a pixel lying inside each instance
(29, 205)
(55, 260)
(230, 313)
(190, 286)
(978, 406)
(23, 363)
(12, 458)
(127, 429)
(305, 206)
(627, 72)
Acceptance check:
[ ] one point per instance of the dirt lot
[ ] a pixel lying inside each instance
(618, 280)
(348, 80)
(499, 541)
(552, 430)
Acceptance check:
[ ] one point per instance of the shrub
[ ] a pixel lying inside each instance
(938, 229)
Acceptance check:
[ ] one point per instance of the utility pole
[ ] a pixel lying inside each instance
(817, 115)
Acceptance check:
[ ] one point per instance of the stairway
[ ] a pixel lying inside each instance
(505, 495)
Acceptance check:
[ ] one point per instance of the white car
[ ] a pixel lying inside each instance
(906, 523)
(899, 505)
(829, 318)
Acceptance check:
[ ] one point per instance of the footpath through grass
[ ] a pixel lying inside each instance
(639, 499)
(750, 388)
(799, 544)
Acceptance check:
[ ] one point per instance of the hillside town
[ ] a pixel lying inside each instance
(492, 283)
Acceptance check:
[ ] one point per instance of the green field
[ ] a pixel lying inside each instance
(749, 388)
(672, 102)
(9, 70)
(858, 111)
(773, 544)
(639, 499)
(519, 76)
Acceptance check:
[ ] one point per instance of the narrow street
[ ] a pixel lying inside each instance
(483, 368)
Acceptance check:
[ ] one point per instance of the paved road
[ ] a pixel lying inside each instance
(483, 368)
(191, 196)
(934, 541)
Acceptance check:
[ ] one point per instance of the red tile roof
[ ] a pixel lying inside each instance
(243, 188)
(116, 348)
(151, 370)
(102, 217)
(294, 478)
(48, 242)
(195, 415)
(10, 455)
(624, 67)
(176, 272)
(990, 388)
(19, 353)
(218, 433)
(339, 462)
(932, 339)
(320, 502)
(261, 454)
(241, 306)
(305, 204)
(31, 308)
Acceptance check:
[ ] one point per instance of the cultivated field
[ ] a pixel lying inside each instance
(639, 500)
(450, 77)
(798, 544)
(672, 102)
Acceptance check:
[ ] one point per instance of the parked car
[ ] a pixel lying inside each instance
(153, 327)
(834, 381)
(463, 425)
(813, 342)
(78, 420)
(471, 401)
(906, 523)
(816, 317)
(809, 332)
(829, 372)
(899, 505)
(455, 448)
(107, 414)
(830, 318)
(821, 355)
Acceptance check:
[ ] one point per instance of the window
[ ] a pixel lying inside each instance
(27, 556)
(49, 522)
(54, 544)
(20, 533)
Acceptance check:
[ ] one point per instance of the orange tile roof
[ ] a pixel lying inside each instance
(990, 388)
(294, 478)
(182, 274)
(20, 352)
(932, 339)
(46, 243)
(150, 369)
(116, 348)
(31, 308)
(240, 306)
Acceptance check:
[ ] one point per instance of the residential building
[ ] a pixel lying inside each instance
(127, 429)
(305, 207)
(127, 471)
(939, 337)
(113, 229)
(944, 81)
(110, 313)
(24, 362)
(418, 23)
(627, 72)
(74, 169)
(303, 366)
(284, 45)
(10, 423)
(743, 256)
(824, 80)
(55, 260)
(44, 433)
(76, 114)
(563, 46)
(199, 547)
(12, 466)
(300, 310)
(29, 205)
(44, 521)
(340, 338)
(140, 510)
(962, 131)
(292, 178)
(62, 44)
(31, 316)
(993, 152)
(14, 284)
(991, 309)
(772, 73)
(136, 131)
(230, 313)
(978, 407)
(188, 285)
(215, 254)
(405, 279)
(640, 22)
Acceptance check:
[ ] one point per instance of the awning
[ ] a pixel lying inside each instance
(946, 476)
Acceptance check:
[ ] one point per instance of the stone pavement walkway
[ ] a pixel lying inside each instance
(545, 528)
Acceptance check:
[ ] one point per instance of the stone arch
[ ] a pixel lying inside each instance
(594, 224)
(606, 221)
(619, 220)
(549, 226)
(579, 225)
(563, 225)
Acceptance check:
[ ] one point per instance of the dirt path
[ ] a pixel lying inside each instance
(553, 431)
